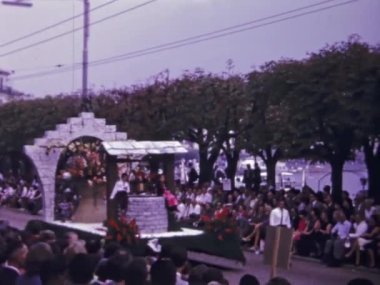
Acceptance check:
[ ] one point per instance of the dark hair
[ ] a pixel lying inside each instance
(136, 273)
(81, 269)
(111, 248)
(52, 269)
(163, 272)
(3, 250)
(278, 281)
(102, 270)
(117, 265)
(249, 279)
(360, 281)
(213, 274)
(38, 256)
(178, 256)
(93, 246)
(196, 274)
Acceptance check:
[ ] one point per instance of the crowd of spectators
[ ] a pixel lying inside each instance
(40, 257)
(323, 228)
(19, 193)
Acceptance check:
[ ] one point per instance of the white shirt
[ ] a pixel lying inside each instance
(120, 186)
(24, 192)
(360, 229)
(279, 217)
(196, 210)
(208, 198)
(183, 211)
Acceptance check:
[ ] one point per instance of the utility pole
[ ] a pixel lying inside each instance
(86, 100)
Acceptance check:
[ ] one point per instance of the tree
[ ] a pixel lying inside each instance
(196, 115)
(23, 121)
(268, 134)
(325, 105)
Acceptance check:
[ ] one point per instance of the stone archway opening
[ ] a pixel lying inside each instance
(46, 151)
(80, 189)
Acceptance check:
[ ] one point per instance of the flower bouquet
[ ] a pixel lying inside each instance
(123, 231)
(223, 226)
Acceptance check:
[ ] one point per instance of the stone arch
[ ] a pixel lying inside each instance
(46, 151)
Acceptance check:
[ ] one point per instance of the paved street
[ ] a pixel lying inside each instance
(302, 272)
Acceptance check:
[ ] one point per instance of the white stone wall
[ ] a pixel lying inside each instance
(150, 214)
(46, 151)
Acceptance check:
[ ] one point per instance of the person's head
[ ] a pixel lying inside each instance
(374, 221)
(359, 217)
(74, 249)
(111, 248)
(38, 256)
(315, 213)
(47, 236)
(117, 265)
(53, 270)
(281, 203)
(213, 274)
(248, 166)
(360, 281)
(163, 272)
(124, 177)
(324, 216)
(327, 189)
(93, 246)
(196, 275)
(71, 237)
(16, 253)
(179, 256)
(136, 273)
(3, 250)
(81, 269)
(249, 279)
(278, 281)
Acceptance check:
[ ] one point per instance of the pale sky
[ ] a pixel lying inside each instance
(165, 21)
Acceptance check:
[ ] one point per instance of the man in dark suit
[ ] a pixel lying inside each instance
(15, 255)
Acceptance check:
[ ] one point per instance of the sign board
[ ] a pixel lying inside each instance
(278, 244)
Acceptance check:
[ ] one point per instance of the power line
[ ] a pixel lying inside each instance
(181, 43)
(53, 25)
(77, 29)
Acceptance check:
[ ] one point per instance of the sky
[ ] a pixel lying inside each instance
(164, 21)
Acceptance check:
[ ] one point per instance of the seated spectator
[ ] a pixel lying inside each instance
(163, 272)
(249, 279)
(334, 248)
(307, 242)
(370, 236)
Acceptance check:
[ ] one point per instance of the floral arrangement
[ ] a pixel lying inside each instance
(223, 225)
(123, 230)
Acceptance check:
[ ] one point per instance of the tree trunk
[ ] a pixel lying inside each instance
(337, 178)
(232, 161)
(372, 160)
(271, 172)
(205, 165)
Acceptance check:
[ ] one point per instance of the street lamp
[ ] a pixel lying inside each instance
(20, 3)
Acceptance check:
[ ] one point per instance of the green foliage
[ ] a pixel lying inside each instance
(22, 121)
(323, 107)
